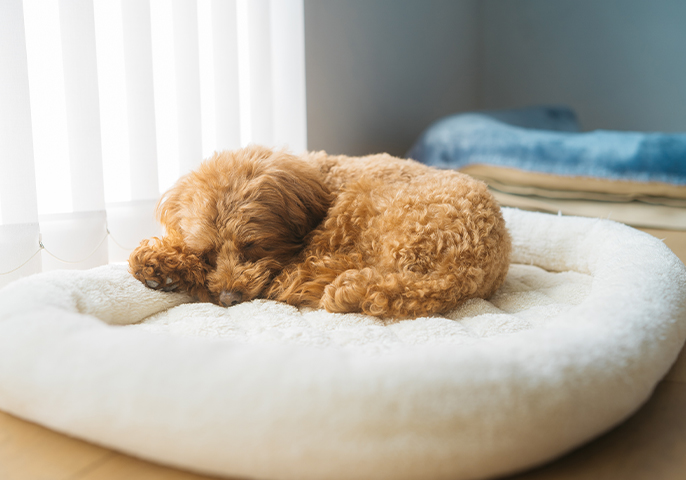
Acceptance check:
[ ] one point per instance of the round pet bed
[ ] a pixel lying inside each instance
(591, 316)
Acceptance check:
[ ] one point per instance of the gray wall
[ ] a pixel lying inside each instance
(620, 63)
(379, 71)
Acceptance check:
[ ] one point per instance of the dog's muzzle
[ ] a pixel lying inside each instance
(230, 298)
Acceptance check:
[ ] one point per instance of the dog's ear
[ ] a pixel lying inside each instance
(296, 193)
(167, 208)
(189, 209)
(306, 197)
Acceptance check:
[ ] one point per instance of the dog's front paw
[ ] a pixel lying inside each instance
(166, 265)
(149, 264)
(169, 284)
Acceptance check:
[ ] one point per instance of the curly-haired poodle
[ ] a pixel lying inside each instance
(377, 234)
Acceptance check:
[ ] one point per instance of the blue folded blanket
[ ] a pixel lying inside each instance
(548, 140)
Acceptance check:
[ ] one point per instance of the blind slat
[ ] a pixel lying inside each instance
(187, 83)
(225, 43)
(113, 100)
(17, 173)
(82, 104)
(288, 67)
(140, 99)
(48, 107)
(164, 90)
(255, 75)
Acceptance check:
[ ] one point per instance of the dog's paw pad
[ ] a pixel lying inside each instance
(168, 287)
(159, 282)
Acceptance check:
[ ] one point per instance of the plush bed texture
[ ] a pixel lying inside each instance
(591, 316)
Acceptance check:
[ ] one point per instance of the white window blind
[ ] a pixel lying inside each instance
(105, 103)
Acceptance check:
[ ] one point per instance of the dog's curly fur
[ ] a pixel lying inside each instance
(377, 234)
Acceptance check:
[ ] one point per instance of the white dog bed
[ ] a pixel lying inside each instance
(591, 316)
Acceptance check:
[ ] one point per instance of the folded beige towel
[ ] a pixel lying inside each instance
(639, 204)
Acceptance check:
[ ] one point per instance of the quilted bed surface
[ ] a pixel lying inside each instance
(591, 316)
(530, 298)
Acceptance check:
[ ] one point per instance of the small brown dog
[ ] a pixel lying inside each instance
(376, 234)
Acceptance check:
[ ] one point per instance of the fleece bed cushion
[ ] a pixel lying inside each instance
(591, 316)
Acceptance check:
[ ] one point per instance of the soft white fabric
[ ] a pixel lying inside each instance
(529, 298)
(591, 316)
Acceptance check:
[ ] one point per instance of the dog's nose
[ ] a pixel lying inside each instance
(230, 298)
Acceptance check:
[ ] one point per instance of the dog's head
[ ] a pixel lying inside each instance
(248, 213)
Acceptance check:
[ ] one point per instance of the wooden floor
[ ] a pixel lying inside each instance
(650, 445)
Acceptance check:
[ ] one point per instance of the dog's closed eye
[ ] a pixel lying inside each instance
(211, 259)
(251, 249)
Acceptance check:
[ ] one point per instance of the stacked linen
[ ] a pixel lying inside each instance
(538, 159)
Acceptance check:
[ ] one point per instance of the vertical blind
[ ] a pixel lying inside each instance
(105, 103)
